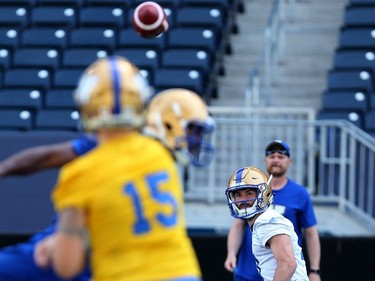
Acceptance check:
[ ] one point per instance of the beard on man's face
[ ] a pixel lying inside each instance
(276, 170)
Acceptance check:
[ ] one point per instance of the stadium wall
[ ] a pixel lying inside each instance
(344, 259)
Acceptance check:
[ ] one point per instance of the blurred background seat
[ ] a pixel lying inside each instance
(59, 99)
(9, 38)
(350, 79)
(348, 115)
(14, 16)
(81, 57)
(359, 16)
(346, 100)
(21, 99)
(27, 78)
(50, 16)
(36, 57)
(144, 58)
(16, 119)
(180, 78)
(114, 17)
(93, 37)
(357, 38)
(128, 38)
(57, 120)
(66, 78)
(44, 37)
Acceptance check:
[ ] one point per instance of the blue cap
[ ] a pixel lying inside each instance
(278, 146)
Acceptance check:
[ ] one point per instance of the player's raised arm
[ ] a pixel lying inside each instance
(36, 158)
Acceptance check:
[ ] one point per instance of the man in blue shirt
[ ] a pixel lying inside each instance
(17, 262)
(291, 200)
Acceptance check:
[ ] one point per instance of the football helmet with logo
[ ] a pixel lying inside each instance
(179, 118)
(111, 93)
(249, 177)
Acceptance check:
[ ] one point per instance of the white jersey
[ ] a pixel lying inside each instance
(267, 225)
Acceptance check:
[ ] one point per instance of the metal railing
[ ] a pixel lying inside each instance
(274, 43)
(333, 159)
(273, 53)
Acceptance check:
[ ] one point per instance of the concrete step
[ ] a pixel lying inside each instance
(313, 12)
(331, 220)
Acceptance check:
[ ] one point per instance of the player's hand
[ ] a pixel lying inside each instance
(230, 262)
(43, 251)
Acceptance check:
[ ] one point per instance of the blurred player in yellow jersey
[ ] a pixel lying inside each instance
(123, 201)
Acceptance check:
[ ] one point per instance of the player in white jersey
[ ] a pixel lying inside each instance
(275, 243)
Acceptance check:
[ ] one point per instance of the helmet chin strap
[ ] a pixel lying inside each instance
(182, 157)
(269, 179)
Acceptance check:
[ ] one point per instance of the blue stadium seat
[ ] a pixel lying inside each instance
(21, 98)
(57, 120)
(59, 98)
(207, 3)
(143, 58)
(103, 16)
(357, 38)
(198, 38)
(60, 2)
(14, 16)
(354, 59)
(200, 17)
(179, 78)
(369, 121)
(361, 2)
(128, 38)
(40, 57)
(53, 16)
(4, 58)
(193, 58)
(81, 57)
(67, 78)
(350, 79)
(16, 119)
(27, 78)
(44, 37)
(359, 16)
(17, 2)
(351, 116)
(93, 37)
(346, 101)
(118, 3)
(163, 3)
(9, 38)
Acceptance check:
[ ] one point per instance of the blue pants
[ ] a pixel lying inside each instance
(17, 262)
(240, 278)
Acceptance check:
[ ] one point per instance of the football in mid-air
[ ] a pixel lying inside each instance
(149, 20)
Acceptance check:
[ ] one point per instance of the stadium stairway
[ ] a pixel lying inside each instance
(311, 32)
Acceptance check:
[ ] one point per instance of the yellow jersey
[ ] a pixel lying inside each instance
(130, 191)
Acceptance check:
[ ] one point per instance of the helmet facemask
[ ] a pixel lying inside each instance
(196, 145)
